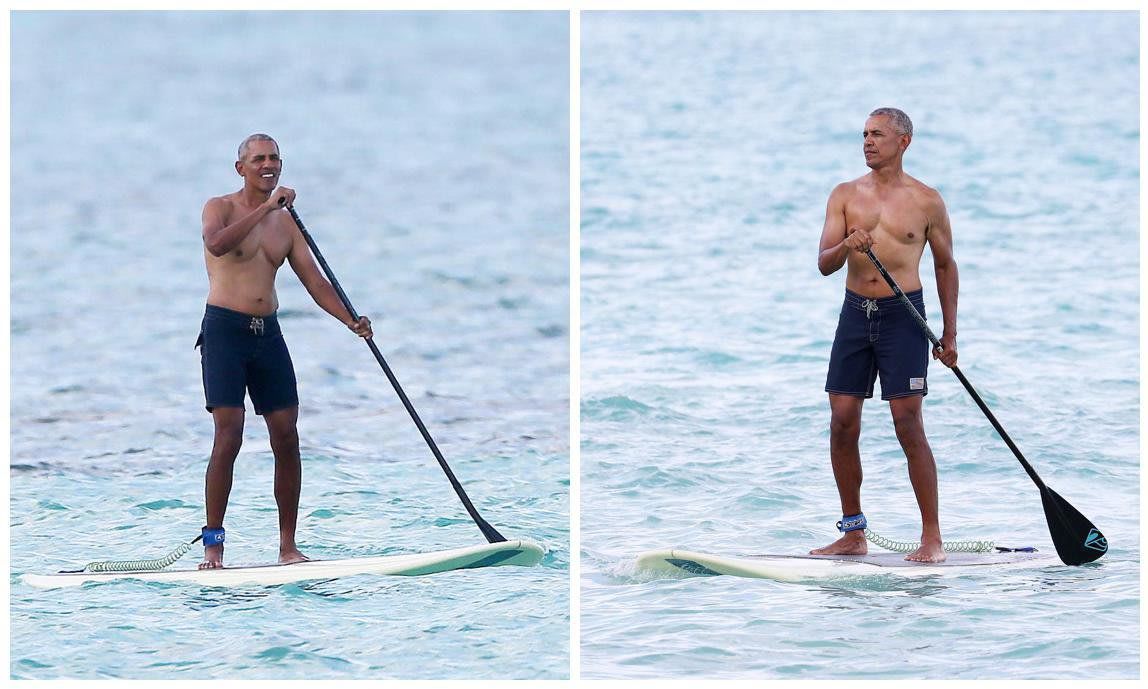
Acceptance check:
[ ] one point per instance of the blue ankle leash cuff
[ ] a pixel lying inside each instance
(213, 536)
(855, 522)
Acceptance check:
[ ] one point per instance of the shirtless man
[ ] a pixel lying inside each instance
(246, 237)
(896, 215)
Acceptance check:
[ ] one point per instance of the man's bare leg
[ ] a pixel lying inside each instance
(845, 455)
(910, 425)
(228, 439)
(281, 426)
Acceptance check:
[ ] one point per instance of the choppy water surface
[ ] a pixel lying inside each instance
(430, 153)
(710, 143)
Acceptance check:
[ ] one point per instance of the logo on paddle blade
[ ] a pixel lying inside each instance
(1096, 541)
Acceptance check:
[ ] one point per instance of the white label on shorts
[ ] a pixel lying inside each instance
(916, 383)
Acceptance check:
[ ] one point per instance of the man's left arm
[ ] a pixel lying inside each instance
(320, 290)
(941, 244)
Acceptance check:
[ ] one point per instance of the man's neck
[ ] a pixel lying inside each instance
(888, 175)
(252, 197)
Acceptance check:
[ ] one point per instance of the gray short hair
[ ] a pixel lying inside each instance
(900, 120)
(254, 137)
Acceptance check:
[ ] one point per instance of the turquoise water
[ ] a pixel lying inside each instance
(430, 153)
(710, 143)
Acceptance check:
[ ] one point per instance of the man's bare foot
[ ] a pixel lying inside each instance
(852, 543)
(291, 556)
(932, 551)
(212, 557)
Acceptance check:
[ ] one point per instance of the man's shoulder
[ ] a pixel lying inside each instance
(220, 207)
(847, 188)
(928, 196)
(223, 200)
(920, 187)
(929, 200)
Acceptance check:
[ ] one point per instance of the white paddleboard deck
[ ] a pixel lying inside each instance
(520, 552)
(803, 567)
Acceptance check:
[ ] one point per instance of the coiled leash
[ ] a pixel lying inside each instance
(948, 546)
(208, 536)
(857, 522)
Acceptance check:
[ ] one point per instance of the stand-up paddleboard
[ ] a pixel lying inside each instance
(524, 553)
(804, 567)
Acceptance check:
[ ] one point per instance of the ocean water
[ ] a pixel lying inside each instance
(710, 142)
(430, 154)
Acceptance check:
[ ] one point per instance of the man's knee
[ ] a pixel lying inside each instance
(844, 429)
(283, 430)
(907, 418)
(845, 420)
(284, 439)
(228, 430)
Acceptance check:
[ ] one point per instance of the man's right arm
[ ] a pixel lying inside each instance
(833, 251)
(219, 238)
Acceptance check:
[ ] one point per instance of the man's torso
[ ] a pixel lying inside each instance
(898, 220)
(243, 279)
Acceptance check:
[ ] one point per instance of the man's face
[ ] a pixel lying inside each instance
(261, 165)
(883, 142)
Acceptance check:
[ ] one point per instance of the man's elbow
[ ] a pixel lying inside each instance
(826, 267)
(946, 265)
(215, 247)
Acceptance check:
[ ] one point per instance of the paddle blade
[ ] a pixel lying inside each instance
(1077, 541)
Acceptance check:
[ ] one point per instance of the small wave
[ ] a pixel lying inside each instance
(717, 359)
(552, 330)
(156, 505)
(292, 314)
(66, 389)
(627, 409)
(767, 504)
(615, 408)
(464, 280)
(39, 466)
(654, 477)
(512, 304)
(449, 521)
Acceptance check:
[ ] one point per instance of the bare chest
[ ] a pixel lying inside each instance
(897, 216)
(269, 240)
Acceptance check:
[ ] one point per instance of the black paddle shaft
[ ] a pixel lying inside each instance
(1077, 541)
(488, 531)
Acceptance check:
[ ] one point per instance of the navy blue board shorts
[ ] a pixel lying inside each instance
(879, 336)
(242, 354)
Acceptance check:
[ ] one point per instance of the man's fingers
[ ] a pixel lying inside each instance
(362, 327)
(948, 357)
(859, 240)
